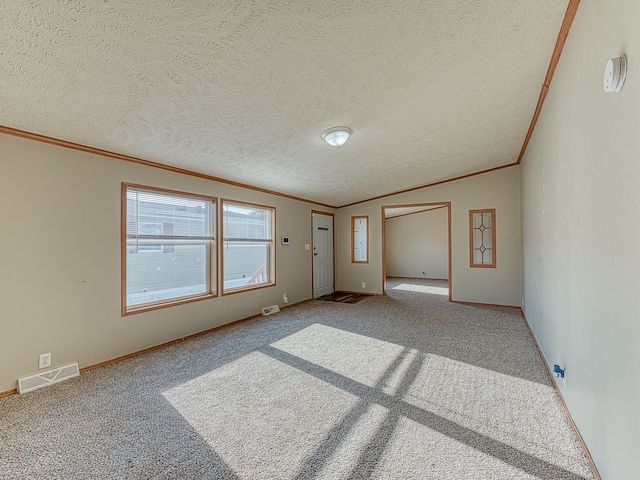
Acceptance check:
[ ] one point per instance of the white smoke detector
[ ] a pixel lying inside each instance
(615, 73)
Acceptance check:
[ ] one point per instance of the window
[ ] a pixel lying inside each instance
(248, 259)
(360, 239)
(482, 241)
(168, 246)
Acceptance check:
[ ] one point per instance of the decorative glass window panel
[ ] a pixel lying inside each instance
(168, 248)
(360, 239)
(248, 259)
(482, 229)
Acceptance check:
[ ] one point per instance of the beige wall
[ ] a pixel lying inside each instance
(580, 210)
(499, 189)
(418, 243)
(60, 273)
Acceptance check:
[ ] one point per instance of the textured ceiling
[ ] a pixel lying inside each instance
(242, 90)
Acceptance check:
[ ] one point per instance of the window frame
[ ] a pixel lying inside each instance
(271, 260)
(211, 248)
(472, 245)
(353, 238)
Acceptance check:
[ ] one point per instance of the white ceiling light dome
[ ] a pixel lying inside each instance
(336, 136)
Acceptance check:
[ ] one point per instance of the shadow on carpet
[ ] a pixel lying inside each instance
(343, 297)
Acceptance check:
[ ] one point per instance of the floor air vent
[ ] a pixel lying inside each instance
(270, 310)
(34, 382)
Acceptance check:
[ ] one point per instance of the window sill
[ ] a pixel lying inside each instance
(147, 307)
(257, 286)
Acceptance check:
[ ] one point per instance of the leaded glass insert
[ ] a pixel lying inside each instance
(483, 238)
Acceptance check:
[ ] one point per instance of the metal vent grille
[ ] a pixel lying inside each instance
(34, 382)
(270, 310)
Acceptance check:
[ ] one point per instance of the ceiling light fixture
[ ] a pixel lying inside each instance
(336, 136)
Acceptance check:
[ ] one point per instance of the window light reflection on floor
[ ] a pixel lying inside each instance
(407, 287)
(332, 403)
(343, 352)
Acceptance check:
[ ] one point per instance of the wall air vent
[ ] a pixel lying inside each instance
(34, 382)
(270, 310)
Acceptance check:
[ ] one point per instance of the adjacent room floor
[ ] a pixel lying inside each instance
(403, 386)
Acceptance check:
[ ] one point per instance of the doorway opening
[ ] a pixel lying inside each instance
(425, 232)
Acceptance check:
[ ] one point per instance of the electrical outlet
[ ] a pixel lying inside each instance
(424, 273)
(284, 298)
(364, 285)
(44, 360)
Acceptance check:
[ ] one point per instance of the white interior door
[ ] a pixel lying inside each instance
(322, 254)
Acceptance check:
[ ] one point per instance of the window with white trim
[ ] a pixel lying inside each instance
(248, 249)
(169, 251)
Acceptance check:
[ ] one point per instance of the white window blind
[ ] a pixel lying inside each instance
(360, 238)
(170, 249)
(248, 248)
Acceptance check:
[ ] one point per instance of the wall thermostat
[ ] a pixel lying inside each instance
(285, 240)
(615, 73)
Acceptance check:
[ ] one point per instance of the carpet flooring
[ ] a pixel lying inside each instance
(407, 386)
